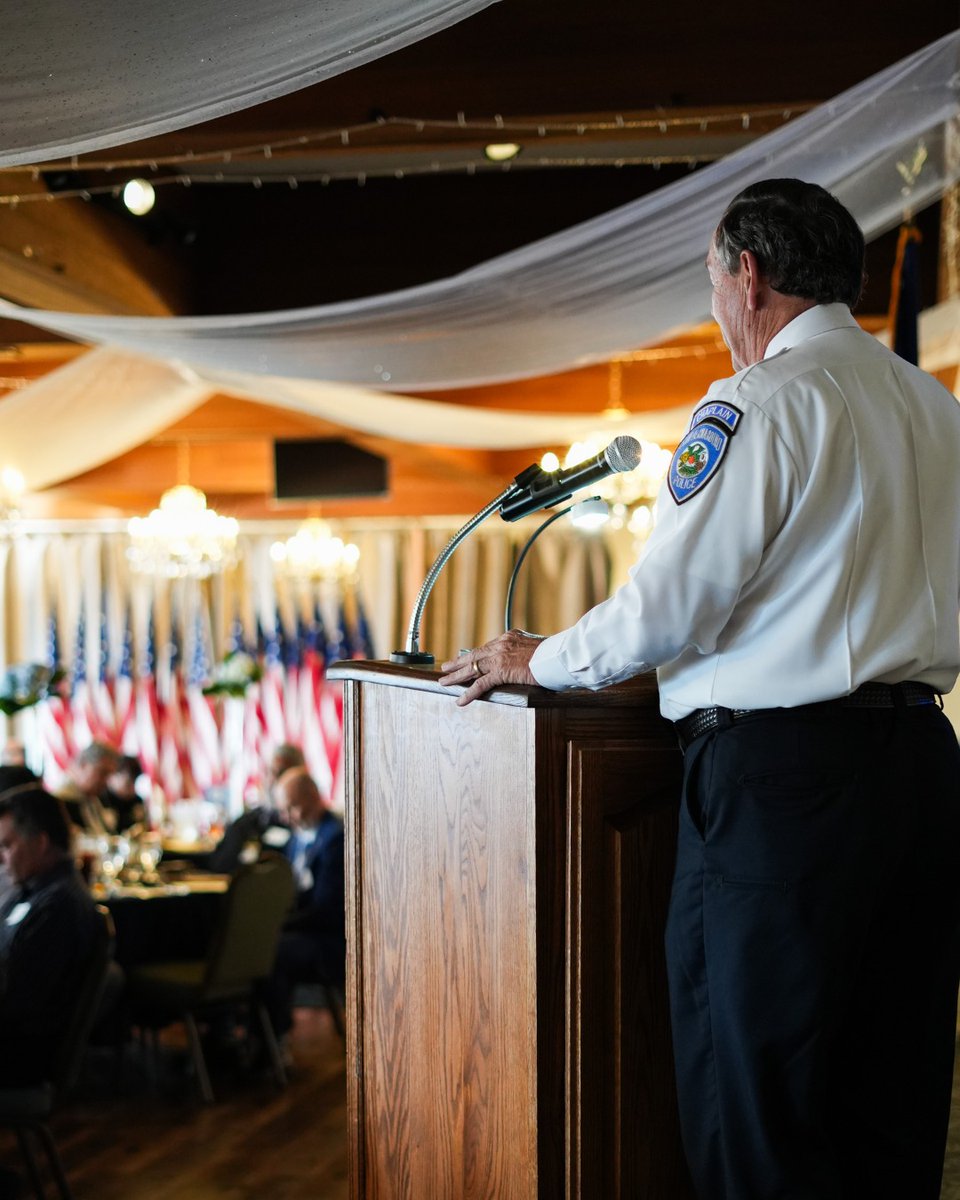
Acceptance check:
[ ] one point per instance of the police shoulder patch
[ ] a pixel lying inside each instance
(701, 452)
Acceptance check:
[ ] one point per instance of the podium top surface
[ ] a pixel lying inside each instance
(638, 692)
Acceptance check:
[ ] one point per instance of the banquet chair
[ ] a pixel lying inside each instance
(240, 957)
(26, 1110)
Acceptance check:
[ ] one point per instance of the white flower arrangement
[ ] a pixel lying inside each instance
(234, 675)
(25, 684)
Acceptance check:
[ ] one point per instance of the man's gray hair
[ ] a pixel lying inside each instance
(97, 752)
(804, 240)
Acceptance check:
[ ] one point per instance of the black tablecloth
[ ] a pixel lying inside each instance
(162, 928)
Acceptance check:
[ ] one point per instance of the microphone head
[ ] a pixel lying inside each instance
(623, 453)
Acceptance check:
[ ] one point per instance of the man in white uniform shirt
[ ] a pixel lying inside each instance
(799, 598)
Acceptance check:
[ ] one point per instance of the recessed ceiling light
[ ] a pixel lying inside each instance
(501, 151)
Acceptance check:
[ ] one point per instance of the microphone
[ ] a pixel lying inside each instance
(535, 488)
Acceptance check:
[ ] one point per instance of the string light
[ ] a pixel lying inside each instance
(325, 176)
(346, 135)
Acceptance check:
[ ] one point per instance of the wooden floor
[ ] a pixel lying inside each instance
(141, 1142)
(137, 1141)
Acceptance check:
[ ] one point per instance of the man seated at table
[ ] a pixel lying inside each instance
(12, 775)
(87, 782)
(48, 924)
(261, 824)
(120, 796)
(312, 947)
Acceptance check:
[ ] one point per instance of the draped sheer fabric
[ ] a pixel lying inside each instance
(81, 75)
(627, 278)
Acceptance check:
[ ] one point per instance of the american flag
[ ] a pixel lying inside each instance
(148, 717)
(54, 716)
(125, 699)
(207, 759)
(291, 651)
(101, 689)
(175, 769)
(272, 685)
(84, 723)
(312, 672)
(246, 749)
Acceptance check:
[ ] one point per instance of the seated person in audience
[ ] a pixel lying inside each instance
(312, 947)
(121, 797)
(262, 824)
(11, 776)
(48, 926)
(14, 776)
(81, 793)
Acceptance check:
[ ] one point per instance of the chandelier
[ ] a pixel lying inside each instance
(314, 553)
(630, 494)
(182, 538)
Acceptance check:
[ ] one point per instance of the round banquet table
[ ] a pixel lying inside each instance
(165, 922)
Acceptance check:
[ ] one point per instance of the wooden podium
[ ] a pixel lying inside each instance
(508, 868)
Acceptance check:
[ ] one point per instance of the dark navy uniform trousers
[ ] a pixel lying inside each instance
(813, 949)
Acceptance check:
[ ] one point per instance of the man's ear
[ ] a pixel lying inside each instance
(752, 280)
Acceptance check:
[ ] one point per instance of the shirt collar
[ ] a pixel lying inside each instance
(36, 882)
(820, 319)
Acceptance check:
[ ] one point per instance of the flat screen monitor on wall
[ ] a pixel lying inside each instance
(326, 468)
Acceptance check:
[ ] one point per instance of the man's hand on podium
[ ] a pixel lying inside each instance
(504, 660)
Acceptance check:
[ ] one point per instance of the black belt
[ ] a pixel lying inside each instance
(867, 695)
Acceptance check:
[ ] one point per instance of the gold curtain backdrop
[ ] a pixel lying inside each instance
(137, 649)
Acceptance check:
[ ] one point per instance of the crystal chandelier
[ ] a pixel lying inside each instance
(182, 538)
(314, 553)
(630, 494)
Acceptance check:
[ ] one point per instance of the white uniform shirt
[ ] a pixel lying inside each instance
(822, 552)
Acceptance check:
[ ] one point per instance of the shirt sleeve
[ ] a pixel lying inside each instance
(702, 552)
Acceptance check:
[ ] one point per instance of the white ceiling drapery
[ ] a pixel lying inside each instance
(624, 279)
(628, 277)
(88, 75)
(107, 402)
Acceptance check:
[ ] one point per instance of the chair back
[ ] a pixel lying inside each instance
(84, 1013)
(244, 945)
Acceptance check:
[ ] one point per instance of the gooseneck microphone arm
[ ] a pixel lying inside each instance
(413, 655)
(532, 490)
(514, 575)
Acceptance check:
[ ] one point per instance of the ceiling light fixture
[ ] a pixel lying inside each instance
(314, 553)
(629, 493)
(182, 538)
(499, 152)
(139, 196)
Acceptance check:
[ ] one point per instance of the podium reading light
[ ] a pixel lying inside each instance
(531, 491)
(587, 514)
